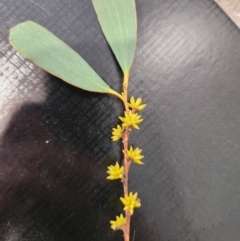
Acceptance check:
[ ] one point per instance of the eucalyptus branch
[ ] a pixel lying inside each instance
(118, 21)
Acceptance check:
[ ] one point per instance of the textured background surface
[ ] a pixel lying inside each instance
(55, 139)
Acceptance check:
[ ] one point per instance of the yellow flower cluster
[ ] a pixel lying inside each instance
(115, 172)
(117, 133)
(135, 155)
(118, 223)
(136, 104)
(131, 119)
(130, 202)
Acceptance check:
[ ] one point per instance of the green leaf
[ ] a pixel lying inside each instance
(119, 25)
(53, 55)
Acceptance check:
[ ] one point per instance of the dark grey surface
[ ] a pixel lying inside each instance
(55, 139)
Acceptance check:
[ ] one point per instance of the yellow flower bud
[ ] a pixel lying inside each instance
(131, 119)
(118, 223)
(136, 104)
(115, 172)
(130, 202)
(117, 133)
(135, 155)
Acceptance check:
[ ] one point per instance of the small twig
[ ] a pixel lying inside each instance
(133, 235)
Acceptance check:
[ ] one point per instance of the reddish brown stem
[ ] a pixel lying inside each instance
(125, 182)
(127, 163)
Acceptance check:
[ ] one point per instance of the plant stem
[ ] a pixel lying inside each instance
(125, 182)
(127, 163)
(125, 89)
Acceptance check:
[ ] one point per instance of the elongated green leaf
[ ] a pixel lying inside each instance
(53, 55)
(119, 25)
